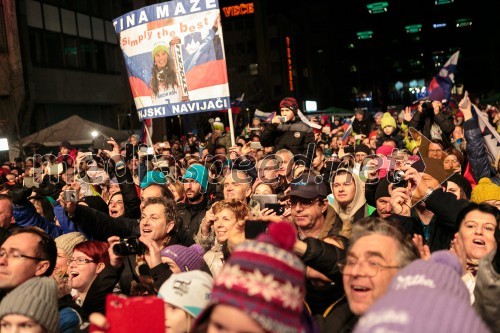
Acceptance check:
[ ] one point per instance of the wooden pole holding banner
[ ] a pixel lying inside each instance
(149, 141)
(231, 126)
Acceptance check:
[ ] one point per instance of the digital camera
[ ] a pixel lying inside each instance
(128, 246)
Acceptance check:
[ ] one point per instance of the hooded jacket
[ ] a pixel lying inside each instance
(353, 211)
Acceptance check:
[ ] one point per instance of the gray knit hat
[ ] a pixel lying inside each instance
(35, 299)
(67, 242)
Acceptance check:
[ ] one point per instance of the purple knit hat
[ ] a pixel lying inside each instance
(425, 296)
(265, 280)
(187, 258)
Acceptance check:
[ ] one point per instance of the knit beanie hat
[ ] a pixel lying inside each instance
(382, 189)
(36, 299)
(189, 291)
(290, 103)
(385, 150)
(217, 124)
(187, 258)
(160, 46)
(67, 242)
(199, 173)
(265, 280)
(485, 190)
(153, 177)
(362, 149)
(388, 120)
(462, 182)
(378, 115)
(425, 296)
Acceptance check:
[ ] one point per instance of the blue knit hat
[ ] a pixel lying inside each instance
(153, 177)
(199, 173)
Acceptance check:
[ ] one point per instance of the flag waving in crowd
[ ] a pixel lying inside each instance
(441, 85)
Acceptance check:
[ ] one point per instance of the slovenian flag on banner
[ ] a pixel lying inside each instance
(175, 60)
(440, 87)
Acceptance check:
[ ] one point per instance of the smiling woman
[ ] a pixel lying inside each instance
(87, 262)
(475, 238)
(227, 213)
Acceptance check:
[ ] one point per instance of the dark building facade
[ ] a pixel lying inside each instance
(359, 53)
(61, 57)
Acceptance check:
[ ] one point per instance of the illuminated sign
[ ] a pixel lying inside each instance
(311, 106)
(439, 25)
(365, 34)
(377, 7)
(463, 23)
(289, 61)
(442, 2)
(414, 28)
(238, 10)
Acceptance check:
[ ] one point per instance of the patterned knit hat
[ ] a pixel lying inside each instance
(387, 120)
(290, 103)
(485, 190)
(265, 280)
(36, 299)
(67, 242)
(187, 258)
(425, 296)
(189, 291)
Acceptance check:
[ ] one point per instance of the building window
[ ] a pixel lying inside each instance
(61, 37)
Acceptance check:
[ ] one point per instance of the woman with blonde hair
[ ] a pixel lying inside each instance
(227, 213)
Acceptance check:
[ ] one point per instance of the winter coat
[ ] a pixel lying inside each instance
(477, 153)
(362, 127)
(395, 136)
(424, 123)
(294, 136)
(324, 257)
(442, 227)
(26, 215)
(487, 292)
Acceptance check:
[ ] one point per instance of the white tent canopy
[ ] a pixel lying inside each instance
(74, 129)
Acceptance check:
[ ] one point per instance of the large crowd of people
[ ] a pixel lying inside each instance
(386, 223)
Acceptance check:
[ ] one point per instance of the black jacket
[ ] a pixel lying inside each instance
(128, 273)
(443, 226)
(423, 123)
(294, 136)
(362, 127)
(131, 200)
(100, 226)
(191, 216)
